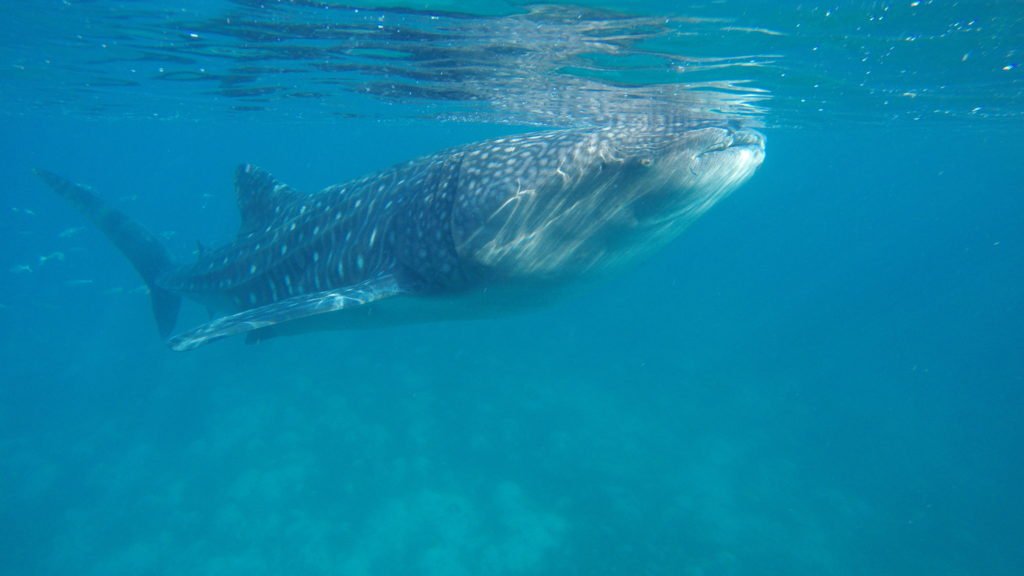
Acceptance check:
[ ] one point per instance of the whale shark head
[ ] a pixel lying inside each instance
(567, 203)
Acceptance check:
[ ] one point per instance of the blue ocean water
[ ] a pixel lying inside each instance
(823, 375)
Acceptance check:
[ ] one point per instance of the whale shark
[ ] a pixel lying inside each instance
(478, 229)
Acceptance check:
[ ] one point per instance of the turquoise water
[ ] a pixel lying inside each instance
(823, 375)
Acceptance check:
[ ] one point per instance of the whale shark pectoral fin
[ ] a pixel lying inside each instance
(294, 308)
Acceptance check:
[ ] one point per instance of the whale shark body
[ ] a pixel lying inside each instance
(475, 229)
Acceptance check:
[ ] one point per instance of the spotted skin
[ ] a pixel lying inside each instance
(308, 243)
(521, 211)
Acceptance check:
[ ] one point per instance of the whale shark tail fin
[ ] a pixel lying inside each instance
(142, 248)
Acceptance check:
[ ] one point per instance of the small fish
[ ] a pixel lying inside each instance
(20, 269)
(140, 289)
(114, 291)
(56, 256)
(70, 232)
(167, 234)
(82, 282)
(25, 211)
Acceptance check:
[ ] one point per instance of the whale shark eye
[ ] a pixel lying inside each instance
(646, 162)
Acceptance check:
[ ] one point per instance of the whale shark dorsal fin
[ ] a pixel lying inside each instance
(294, 308)
(260, 196)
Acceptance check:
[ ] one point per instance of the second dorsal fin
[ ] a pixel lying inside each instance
(260, 196)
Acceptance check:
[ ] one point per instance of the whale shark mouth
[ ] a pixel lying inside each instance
(736, 139)
(732, 158)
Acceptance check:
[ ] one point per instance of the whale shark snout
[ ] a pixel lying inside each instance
(734, 146)
(727, 159)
